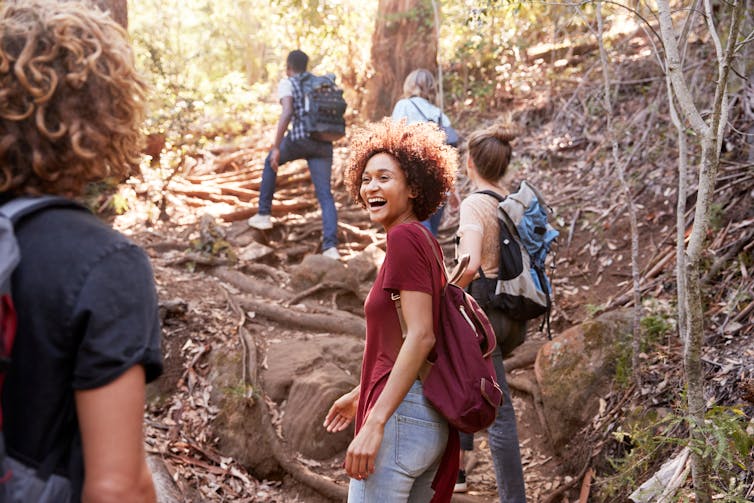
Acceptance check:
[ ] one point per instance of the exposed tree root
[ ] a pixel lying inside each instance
(528, 386)
(250, 285)
(278, 209)
(286, 460)
(523, 356)
(338, 322)
(325, 285)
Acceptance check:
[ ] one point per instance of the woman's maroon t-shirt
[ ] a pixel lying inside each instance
(409, 265)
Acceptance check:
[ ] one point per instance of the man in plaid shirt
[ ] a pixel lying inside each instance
(296, 144)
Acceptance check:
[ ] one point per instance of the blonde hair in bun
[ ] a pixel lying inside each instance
(490, 150)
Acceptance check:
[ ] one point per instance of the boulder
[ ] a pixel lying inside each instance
(308, 402)
(290, 360)
(365, 264)
(315, 269)
(311, 374)
(577, 368)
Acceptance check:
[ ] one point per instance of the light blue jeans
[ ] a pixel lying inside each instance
(410, 454)
(318, 156)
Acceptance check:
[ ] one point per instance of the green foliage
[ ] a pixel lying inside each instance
(210, 59)
(716, 215)
(651, 440)
(482, 41)
(623, 364)
(659, 321)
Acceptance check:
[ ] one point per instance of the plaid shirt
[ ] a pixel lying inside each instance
(298, 131)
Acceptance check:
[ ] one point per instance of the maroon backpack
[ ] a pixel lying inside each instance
(461, 382)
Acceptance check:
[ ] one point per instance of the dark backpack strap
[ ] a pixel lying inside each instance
(491, 193)
(419, 110)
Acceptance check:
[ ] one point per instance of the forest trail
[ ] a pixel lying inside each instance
(202, 232)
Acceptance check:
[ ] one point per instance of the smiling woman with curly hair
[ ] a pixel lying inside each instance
(419, 149)
(71, 102)
(71, 105)
(400, 174)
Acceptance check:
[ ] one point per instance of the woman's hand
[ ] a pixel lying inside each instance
(342, 412)
(363, 450)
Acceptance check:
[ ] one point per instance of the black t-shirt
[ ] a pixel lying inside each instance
(87, 312)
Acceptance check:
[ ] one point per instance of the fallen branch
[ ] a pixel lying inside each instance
(251, 285)
(199, 259)
(586, 486)
(278, 209)
(333, 322)
(555, 495)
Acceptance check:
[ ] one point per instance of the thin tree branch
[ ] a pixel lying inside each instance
(674, 69)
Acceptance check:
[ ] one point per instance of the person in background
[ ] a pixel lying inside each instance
(296, 144)
(489, 154)
(400, 173)
(88, 332)
(418, 105)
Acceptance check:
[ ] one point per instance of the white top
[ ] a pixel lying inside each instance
(285, 88)
(405, 109)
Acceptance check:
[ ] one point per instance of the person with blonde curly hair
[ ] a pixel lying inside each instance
(403, 449)
(88, 329)
(489, 156)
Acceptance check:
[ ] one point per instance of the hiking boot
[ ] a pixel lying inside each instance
(461, 486)
(332, 253)
(261, 222)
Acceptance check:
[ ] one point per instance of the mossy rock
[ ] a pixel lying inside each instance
(577, 368)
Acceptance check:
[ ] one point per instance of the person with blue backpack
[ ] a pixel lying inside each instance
(313, 106)
(489, 154)
(80, 308)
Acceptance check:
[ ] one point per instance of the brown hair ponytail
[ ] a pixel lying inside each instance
(490, 150)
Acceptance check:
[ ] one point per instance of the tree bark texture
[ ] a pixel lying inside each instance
(118, 9)
(403, 40)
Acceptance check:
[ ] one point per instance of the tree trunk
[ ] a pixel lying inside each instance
(710, 137)
(118, 9)
(403, 40)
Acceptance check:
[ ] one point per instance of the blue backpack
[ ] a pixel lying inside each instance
(522, 290)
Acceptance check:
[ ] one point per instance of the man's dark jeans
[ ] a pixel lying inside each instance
(318, 156)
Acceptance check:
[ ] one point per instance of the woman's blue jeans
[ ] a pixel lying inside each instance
(318, 156)
(503, 440)
(412, 448)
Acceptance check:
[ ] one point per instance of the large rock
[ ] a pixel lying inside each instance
(577, 367)
(291, 360)
(308, 402)
(311, 374)
(365, 264)
(315, 269)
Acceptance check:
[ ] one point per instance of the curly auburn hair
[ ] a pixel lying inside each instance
(421, 152)
(71, 102)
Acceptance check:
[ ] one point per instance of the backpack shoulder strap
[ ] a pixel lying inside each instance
(418, 109)
(491, 193)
